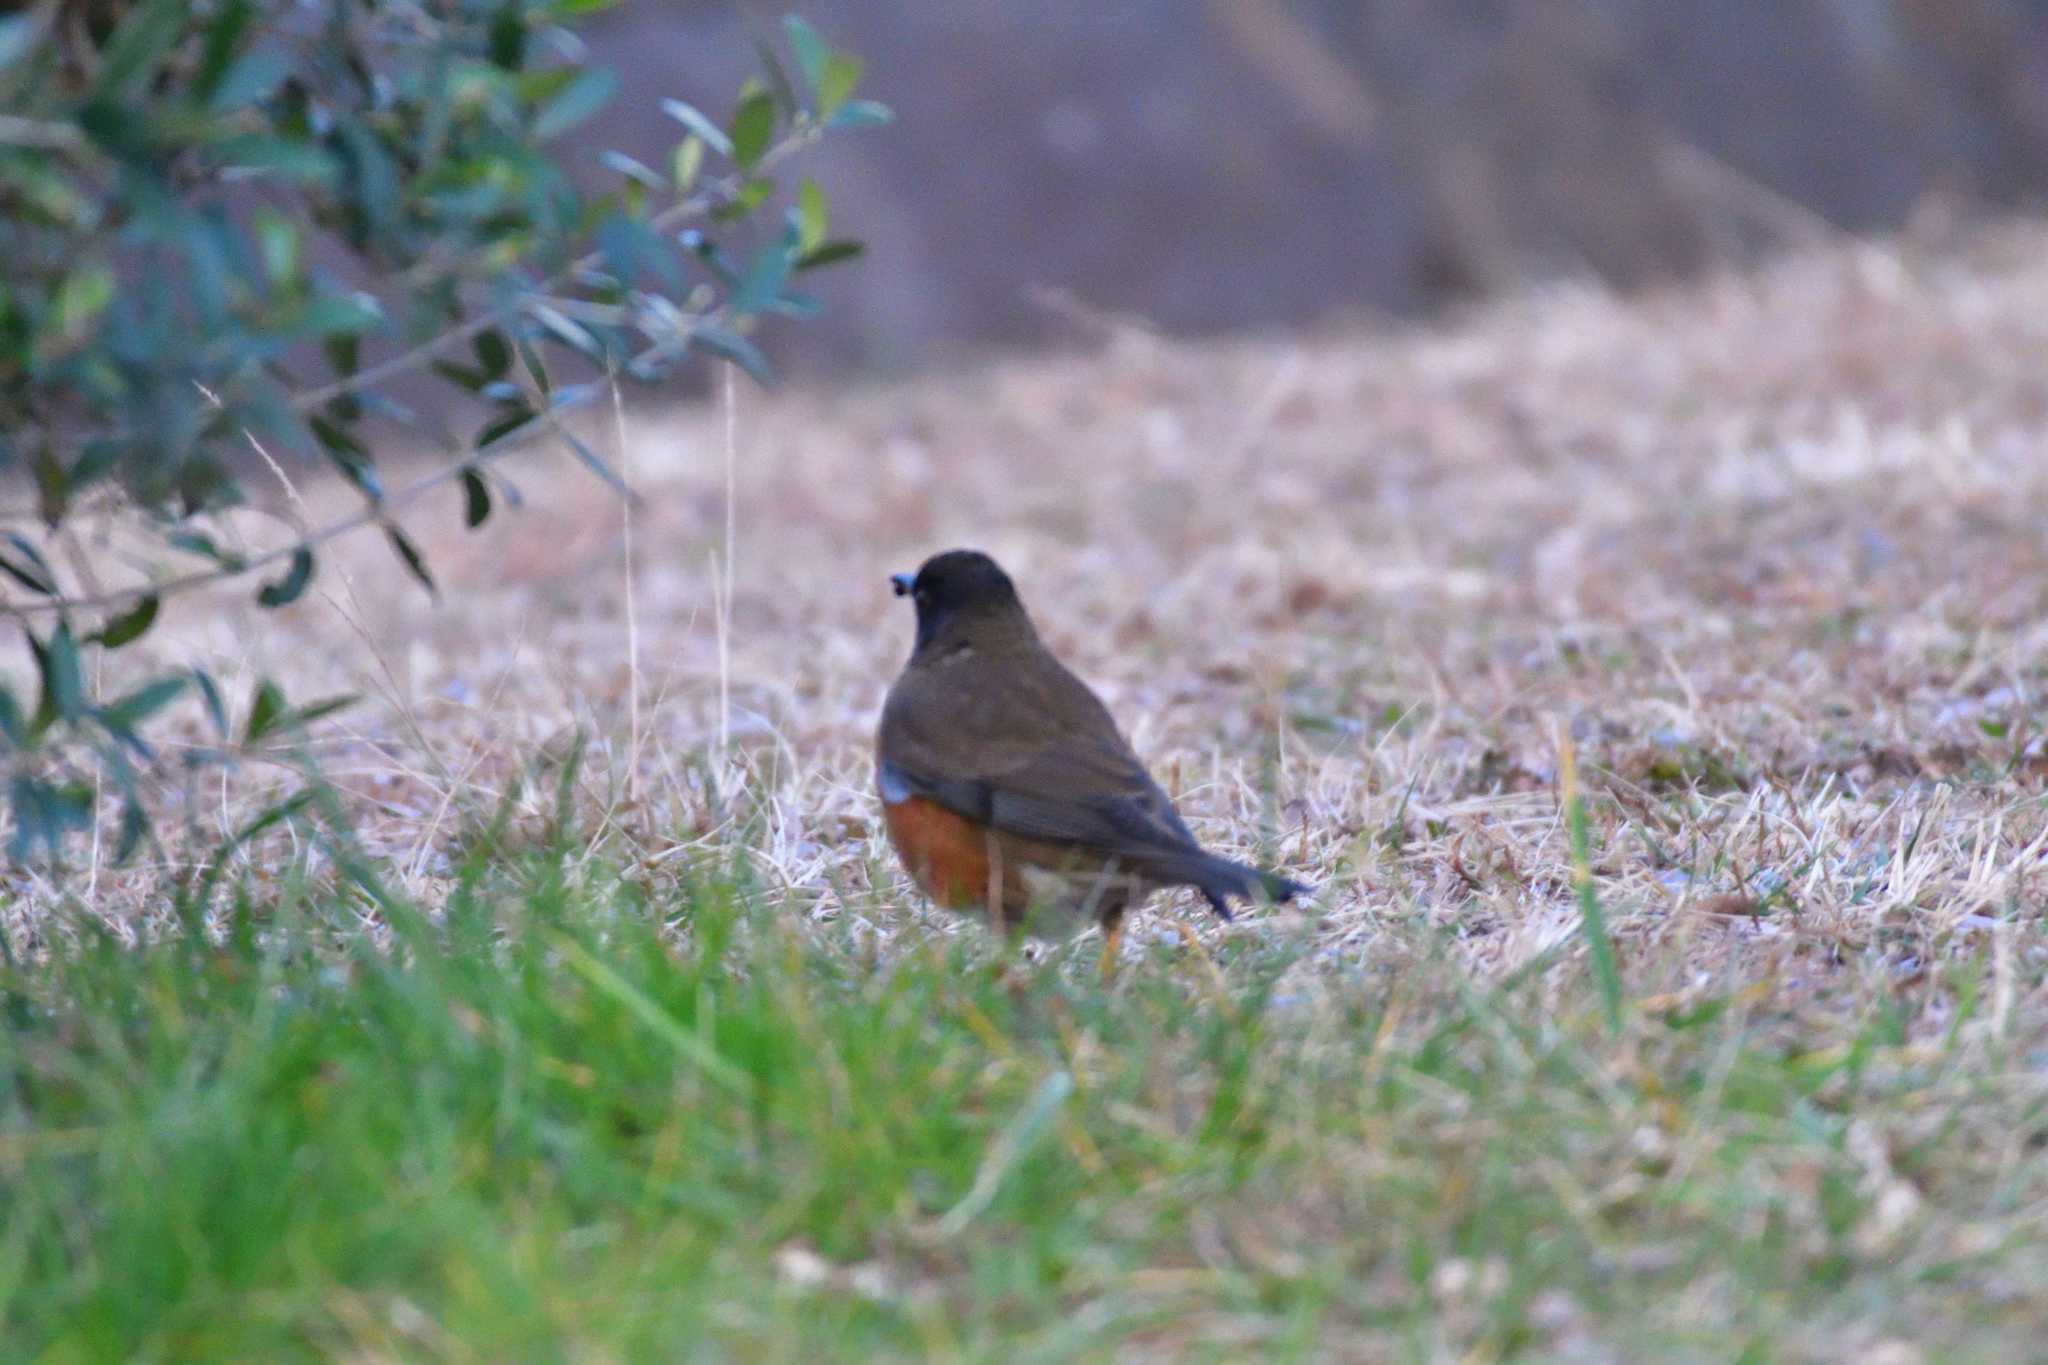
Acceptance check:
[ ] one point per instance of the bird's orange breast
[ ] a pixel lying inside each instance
(947, 855)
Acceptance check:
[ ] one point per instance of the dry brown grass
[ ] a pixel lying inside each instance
(1770, 548)
(1770, 551)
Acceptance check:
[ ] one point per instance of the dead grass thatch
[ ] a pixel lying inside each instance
(1770, 549)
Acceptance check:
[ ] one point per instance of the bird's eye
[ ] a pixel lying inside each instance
(920, 596)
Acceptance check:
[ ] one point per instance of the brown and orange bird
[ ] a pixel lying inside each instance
(1005, 784)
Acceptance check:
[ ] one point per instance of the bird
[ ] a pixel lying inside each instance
(1006, 786)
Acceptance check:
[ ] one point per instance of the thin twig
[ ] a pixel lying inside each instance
(723, 595)
(625, 458)
(375, 514)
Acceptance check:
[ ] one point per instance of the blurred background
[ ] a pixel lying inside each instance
(1208, 165)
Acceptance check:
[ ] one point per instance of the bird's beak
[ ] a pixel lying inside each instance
(902, 583)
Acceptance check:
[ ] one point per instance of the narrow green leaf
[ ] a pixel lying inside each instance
(12, 724)
(288, 588)
(862, 114)
(147, 34)
(284, 812)
(476, 498)
(251, 79)
(410, 553)
(693, 118)
(63, 676)
(460, 375)
(685, 163)
(344, 352)
(84, 295)
(338, 439)
(766, 274)
(631, 248)
(779, 85)
(374, 177)
(134, 828)
(223, 39)
(568, 331)
(277, 238)
(114, 759)
(53, 486)
(810, 47)
(529, 356)
(200, 543)
(216, 709)
(129, 626)
(499, 428)
(753, 127)
(325, 707)
(792, 304)
(30, 569)
(508, 37)
(290, 158)
(592, 89)
(139, 705)
(340, 314)
(829, 253)
(812, 216)
(266, 708)
(348, 455)
(359, 473)
(47, 197)
(836, 83)
(639, 172)
(596, 465)
(750, 197)
(574, 396)
(730, 345)
(493, 352)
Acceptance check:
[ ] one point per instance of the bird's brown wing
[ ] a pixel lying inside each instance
(1023, 746)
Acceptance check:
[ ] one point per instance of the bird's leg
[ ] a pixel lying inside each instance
(1106, 901)
(1112, 940)
(998, 909)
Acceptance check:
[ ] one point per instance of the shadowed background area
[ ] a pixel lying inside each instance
(1218, 165)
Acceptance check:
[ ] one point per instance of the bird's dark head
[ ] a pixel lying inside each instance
(956, 591)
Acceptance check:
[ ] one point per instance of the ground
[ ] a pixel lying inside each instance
(1765, 553)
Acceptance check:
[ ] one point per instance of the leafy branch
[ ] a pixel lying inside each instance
(178, 181)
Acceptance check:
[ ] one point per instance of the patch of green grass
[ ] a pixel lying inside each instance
(573, 1118)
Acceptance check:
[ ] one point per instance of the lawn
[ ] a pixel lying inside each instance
(590, 1020)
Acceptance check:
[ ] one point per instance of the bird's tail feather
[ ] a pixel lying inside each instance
(1219, 879)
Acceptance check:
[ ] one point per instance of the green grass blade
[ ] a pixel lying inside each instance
(1007, 1150)
(687, 1044)
(1592, 918)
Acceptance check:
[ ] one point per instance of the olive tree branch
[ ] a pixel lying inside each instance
(378, 511)
(375, 513)
(803, 135)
